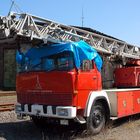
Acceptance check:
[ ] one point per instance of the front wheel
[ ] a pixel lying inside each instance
(96, 120)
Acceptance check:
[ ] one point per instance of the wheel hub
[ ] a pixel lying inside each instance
(97, 118)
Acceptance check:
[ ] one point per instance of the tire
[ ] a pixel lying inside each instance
(96, 120)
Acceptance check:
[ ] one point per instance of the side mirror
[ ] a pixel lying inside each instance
(86, 65)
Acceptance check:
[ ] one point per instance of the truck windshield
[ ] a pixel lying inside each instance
(61, 62)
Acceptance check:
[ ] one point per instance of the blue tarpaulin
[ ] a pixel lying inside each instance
(81, 50)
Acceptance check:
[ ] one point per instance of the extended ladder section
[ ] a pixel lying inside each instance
(36, 28)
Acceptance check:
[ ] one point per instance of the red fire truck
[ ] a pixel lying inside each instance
(67, 83)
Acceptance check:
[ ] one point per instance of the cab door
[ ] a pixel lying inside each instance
(87, 76)
(87, 81)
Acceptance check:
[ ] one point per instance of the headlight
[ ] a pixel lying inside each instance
(63, 112)
(18, 108)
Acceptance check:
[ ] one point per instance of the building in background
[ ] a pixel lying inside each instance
(7, 66)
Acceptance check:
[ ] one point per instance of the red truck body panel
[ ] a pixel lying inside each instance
(87, 81)
(125, 103)
(52, 88)
(127, 77)
(136, 100)
(128, 103)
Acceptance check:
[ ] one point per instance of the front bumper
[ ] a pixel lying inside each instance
(66, 112)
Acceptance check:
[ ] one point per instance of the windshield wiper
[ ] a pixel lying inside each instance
(63, 64)
(35, 66)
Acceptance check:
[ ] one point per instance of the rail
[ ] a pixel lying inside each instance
(7, 100)
(6, 107)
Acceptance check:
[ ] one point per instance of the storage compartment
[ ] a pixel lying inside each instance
(121, 102)
(136, 97)
(125, 103)
(127, 77)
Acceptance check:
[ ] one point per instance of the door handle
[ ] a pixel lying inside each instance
(94, 77)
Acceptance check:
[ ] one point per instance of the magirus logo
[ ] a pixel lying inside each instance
(38, 86)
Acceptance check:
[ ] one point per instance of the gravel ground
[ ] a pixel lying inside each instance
(13, 129)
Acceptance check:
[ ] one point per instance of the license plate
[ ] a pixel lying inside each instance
(64, 122)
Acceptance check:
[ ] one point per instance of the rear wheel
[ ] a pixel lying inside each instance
(96, 120)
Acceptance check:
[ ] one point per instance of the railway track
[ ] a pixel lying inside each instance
(7, 100)
(7, 107)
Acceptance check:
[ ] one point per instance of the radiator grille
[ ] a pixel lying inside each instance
(47, 99)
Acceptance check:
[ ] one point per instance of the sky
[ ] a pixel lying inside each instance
(118, 18)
